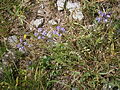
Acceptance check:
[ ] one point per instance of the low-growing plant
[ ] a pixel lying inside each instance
(72, 56)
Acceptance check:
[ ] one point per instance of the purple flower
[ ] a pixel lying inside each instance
(62, 29)
(44, 33)
(21, 48)
(21, 40)
(103, 16)
(108, 16)
(98, 19)
(18, 45)
(105, 20)
(36, 34)
(101, 13)
(59, 35)
(40, 29)
(39, 37)
(58, 27)
(54, 31)
(43, 37)
(25, 43)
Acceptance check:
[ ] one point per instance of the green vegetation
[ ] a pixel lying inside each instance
(81, 58)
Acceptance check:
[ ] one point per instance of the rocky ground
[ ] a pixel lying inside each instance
(46, 15)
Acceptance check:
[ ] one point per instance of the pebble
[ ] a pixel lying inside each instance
(40, 12)
(13, 40)
(72, 6)
(52, 22)
(60, 4)
(77, 15)
(37, 22)
(75, 10)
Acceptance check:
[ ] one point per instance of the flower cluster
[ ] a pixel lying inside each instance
(103, 16)
(21, 45)
(42, 34)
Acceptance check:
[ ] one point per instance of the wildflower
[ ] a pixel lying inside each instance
(40, 29)
(98, 19)
(36, 34)
(59, 35)
(21, 40)
(105, 20)
(25, 36)
(54, 31)
(21, 48)
(39, 37)
(62, 29)
(43, 37)
(108, 16)
(44, 33)
(25, 43)
(103, 16)
(58, 27)
(18, 45)
(101, 13)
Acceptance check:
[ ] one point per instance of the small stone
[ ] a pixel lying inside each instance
(73, 6)
(52, 22)
(60, 4)
(37, 22)
(42, 5)
(110, 86)
(77, 15)
(39, 37)
(13, 40)
(40, 12)
(74, 9)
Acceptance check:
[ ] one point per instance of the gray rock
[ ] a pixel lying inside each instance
(73, 6)
(42, 5)
(40, 12)
(77, 15)
(75, 10)
(8, 58)
(13, 40)
(52, 22)
(37, 22)
(60, 4)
